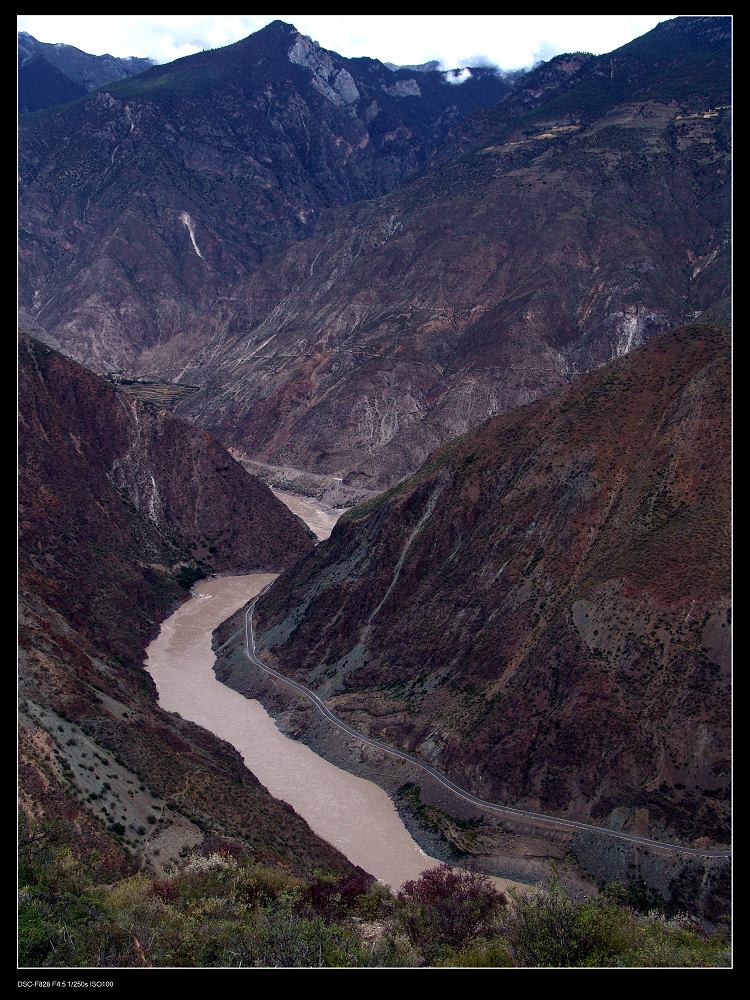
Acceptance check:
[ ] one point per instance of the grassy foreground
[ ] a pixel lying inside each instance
(223, 909)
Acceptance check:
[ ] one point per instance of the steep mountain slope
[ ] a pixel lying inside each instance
(142, 205)
(682, 58)
(117, 501)
(542, 610)
(50, 74)
(409, 319)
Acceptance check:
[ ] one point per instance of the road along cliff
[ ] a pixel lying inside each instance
(541, 613)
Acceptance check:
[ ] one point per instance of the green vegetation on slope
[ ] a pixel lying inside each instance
(226, 909)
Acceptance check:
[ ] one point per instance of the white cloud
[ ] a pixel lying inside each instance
(511, 41)
(458, 76)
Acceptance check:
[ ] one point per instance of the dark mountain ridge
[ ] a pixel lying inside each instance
(51, 74)
(115, 498)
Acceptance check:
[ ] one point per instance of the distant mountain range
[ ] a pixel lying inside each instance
(245, 144)
(50, 74)
(193, 221)
(585, 212)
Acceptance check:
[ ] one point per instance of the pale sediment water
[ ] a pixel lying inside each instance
(352, 813)
(320, 520)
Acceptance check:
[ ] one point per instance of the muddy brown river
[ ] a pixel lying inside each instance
(349, 812)
(321, 521)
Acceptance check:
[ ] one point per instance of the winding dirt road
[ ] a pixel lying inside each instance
(483, 804)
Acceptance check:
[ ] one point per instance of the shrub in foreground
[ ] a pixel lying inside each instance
(445, 908)
(220, 910)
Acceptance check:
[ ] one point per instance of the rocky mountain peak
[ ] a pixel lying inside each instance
(276, 29)
(335, 83)
(274, 127)
(433, 66)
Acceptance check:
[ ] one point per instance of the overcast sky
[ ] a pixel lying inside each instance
(511, 41)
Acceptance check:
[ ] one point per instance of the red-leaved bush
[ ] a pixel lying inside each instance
(448, 906)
